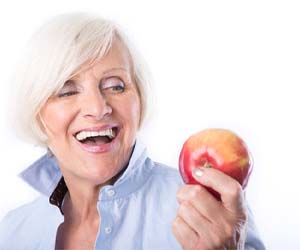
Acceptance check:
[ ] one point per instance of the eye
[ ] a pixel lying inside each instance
(68, 89)
(112, 85)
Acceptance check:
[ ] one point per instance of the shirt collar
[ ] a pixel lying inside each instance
(44, 175)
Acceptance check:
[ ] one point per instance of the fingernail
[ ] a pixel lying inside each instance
(198, 172)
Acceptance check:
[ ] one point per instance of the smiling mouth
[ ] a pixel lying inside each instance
(97, 138)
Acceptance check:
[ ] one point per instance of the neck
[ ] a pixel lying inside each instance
(80, 204)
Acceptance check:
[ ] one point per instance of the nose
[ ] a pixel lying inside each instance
(95, 106)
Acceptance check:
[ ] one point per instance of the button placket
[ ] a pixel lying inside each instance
(105, 207)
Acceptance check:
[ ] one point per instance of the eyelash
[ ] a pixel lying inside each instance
(66, 94)
(118, 88)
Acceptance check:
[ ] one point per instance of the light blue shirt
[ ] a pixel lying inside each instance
(136, 212)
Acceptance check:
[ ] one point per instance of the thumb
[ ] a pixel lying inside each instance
(222, 186)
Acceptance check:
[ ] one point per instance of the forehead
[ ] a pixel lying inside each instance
(117, 57)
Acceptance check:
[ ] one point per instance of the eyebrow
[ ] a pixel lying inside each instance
(126, 72)
(116, 69)
(69, 82)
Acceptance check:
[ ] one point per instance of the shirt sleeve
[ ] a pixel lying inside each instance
(253, 240)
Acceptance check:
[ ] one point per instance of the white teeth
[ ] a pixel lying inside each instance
(85, 134)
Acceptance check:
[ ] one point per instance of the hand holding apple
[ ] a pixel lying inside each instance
(219, 161)
(203, 222)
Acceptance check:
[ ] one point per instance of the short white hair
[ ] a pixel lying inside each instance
(53, 54)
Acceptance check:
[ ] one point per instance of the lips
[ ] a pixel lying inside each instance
(97, 139)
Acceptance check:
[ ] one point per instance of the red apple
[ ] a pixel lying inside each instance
(221, 149)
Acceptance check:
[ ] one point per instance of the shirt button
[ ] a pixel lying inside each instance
(107, 230)
(111, 192)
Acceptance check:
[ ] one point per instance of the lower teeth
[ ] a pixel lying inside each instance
(97, 140)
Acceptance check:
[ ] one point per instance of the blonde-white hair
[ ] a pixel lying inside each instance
(53, 54)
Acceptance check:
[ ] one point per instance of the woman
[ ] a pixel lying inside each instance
(83, 96)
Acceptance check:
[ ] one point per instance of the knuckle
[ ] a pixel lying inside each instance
(197, 191)
(179, 193)
(236, 190)
(174, 226)
(175, 223)
(184, 207)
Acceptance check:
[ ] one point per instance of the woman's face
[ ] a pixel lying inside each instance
(92, 122)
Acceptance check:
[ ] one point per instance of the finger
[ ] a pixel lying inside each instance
(184, 234)
(202, 200)
(208, 236)
(230, 190)
(219, 219)
(196, 221)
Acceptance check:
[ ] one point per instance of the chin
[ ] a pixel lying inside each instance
(100, 173)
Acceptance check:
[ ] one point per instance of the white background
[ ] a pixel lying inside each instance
(232, 64)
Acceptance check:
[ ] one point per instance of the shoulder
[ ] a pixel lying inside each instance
(165, 172)
(163, 169)
(163, 181)
(21, 213)
(28, 210)
(253, 239)
(30, 217)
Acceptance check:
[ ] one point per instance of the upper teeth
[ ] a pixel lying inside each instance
(85, 134)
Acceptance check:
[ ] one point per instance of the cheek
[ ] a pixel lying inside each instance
(135, 111)
(56, 118)
(127, 111)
